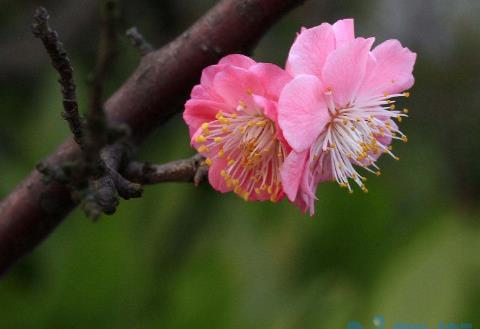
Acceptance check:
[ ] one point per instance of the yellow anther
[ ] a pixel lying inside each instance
(230, 162)
(217, 139)
(237, 189)
(223, 173)
(396, 158)
(203, 148)
(378, 173)
(364, 189)
(234, 115)
(273, 198)
(261, 123)
(269, 190)
(245, 196)
(242, 104)
(406, 94)
(224, 121)
(404, 139)
(251, 123)
(392, 107)
(399, 119)
(250, 91)
(200, 139)
(219, 115)
(208, 161)
(221, 153)
(242, 130)
(257, 190)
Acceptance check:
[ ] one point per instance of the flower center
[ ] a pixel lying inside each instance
(356, 136)
(252, 155)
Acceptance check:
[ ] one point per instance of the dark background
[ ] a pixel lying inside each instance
(186, 257)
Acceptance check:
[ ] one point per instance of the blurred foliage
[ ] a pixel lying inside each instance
(186, 257)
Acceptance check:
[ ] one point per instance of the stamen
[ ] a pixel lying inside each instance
(253, 154)
(352, 138)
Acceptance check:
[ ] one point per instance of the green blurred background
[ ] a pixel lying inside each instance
(186, 257)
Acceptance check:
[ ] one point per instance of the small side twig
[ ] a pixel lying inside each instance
(138, 41)
(62, 64)
(96, 120)
(186, 170)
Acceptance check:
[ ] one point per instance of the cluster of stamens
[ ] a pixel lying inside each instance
(247, 142)
(352, 138)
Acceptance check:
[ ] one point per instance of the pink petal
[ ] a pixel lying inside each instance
(310, 49)
(292, 173)
(215, 178)
(302, 113)
(268, 107)
(344, 31)
(272, 77)
(235, 84)
(208, 74)
(238, 60)
(345, 68)
(392, 72)
(198, 111)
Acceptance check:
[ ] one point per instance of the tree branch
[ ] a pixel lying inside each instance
(187, 170)
(61, 62)
(148, 98)
(138, 41)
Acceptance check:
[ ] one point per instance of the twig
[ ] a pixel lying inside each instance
(96, 120)
(138, 41)
(187, 170)
(61, 62)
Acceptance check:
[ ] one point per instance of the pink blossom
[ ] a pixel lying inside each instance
(232, 118)
(337, 113)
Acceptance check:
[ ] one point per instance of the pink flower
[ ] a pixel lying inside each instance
(232, 117)
(337, 113)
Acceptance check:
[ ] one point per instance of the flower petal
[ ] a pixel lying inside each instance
(392, 72)
(238, 60)
(236, 84)
(198, 111)
(344, 31)
(272, 77)
(310, 49)
(302, 113)
(292, 173)
(345, 69)
(215, 178)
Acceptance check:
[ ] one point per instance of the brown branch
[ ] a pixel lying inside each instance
(96, 119)
(153, 93)
(187, 170)
(138, 41)
(61, 62)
